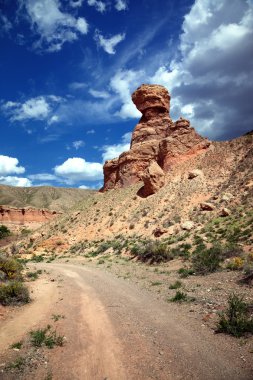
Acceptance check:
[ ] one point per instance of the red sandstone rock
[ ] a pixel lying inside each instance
(205, 206)
(153, 178)
(13, 215)
(155, 138)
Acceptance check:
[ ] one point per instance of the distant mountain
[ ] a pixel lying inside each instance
(42, 197)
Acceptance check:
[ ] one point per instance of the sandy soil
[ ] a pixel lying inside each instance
(116, 330)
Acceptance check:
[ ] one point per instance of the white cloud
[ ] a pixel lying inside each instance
(123, 83)
(76, 169)
(78, 144)
(121, 5)
(90, 132)
(9, 165)
(126, 138)
(43, 177)
(108, 44)
(114, 150)
(40, 108)
(76, 3)
(84, 187)
(53, 119)
(5, 24)
(77, 85)
(99, 94)
(15, 181)
(99, 5)
(53, 26)
(210, 84)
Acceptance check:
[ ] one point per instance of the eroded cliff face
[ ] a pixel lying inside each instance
(22, 216)
(156, 138)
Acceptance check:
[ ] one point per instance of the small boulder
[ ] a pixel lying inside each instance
(226, 197)
(187, 225)
(225, 212)
(195, 173)
(153, 178)
(205, 206)
(158, 232)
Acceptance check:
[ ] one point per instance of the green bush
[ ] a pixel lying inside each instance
(10, 267)
(13, 293)
(46, 337)
(4, 231)
(185, 272)
(235, 320)
(176, 285)
(38, 258)
(152, 252)
(206, 260)
(179, 297)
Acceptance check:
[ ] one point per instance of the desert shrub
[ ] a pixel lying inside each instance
(179, 297)
(25, 231)
(235, 320)
(46, 337)
(185, 272)
(236, 263)
(10, 267)
(152, 251)
(230, 250)
(33, 275)
(37, 258)
(206, 260)
(181, 250)
(176, 285)
(4, 231)
(14, 292)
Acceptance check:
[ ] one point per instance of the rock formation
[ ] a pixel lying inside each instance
(153, 178)
(21, 216)
(155, 139)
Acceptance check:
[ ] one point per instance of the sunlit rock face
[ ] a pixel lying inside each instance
(156, 138)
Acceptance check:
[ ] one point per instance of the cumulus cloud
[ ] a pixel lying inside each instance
(108, 44)
(39, 108)
(99, 94)
(10, 165)
(123, 83)
(211, 83)
(121, 5)
(113, 151)
(53, 26)
(99, 5)
(76, 169)
(208, 77)
(15, 181)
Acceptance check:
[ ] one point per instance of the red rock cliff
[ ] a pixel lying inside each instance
(155, 138)
(12, 215)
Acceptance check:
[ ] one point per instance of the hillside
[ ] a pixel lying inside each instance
(170, 183)
(223, 184)
(42, 197)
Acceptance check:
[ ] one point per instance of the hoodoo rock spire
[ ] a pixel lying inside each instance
(155, 139)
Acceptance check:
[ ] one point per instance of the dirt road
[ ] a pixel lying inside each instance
(116, 331)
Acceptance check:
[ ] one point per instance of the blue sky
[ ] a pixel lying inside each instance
(68, 68)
